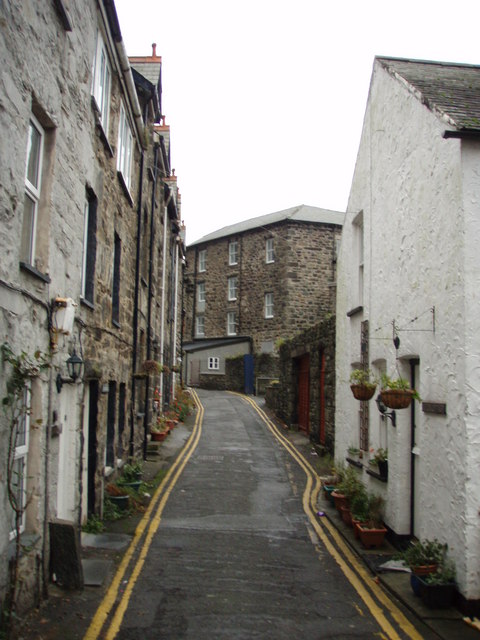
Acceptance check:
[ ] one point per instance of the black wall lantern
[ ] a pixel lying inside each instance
(383, 410)
(74, 368)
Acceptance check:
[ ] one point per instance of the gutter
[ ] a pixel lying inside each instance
(464, 134)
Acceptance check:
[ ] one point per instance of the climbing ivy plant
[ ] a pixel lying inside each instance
(20, 370)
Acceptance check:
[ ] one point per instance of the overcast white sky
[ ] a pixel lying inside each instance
(265, 98)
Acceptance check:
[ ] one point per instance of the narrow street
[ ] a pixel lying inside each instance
(233, 549)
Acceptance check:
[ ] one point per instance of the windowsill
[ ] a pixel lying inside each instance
(28, 541)
(126, 190)
(87, 303)
(354, 311)
(143, 281)
(354, 463)
(108, 471)
(116, 323)
(24, 266)
(376, 475)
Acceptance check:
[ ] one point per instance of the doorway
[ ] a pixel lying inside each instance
(92, 445)
(303, 393)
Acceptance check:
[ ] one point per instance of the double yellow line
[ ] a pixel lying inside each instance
(369, 591)
(113, 606)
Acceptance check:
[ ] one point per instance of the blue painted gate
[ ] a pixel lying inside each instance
(248, 372)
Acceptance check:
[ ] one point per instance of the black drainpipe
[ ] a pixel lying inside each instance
(150, 297)
(413, 363)
(135, 309)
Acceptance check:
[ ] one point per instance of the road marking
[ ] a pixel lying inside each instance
(359, 578)
(161, 496)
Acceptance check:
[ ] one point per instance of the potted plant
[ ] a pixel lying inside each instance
(423, 557)
(437, 589)
(160, 429)
(131, 475)
(347, 489)
(354, 452)
(362, 385)
(396, 393)
(117, 495)
(372, 532)
(359, 511)
(381, 460)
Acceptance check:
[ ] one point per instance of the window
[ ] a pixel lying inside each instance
(202, 260)
(101, 82)
(213, 363)
(200, 326)
(232, 288)
(125, 148)
(122, 392)
(33, 178)
(89, 246)
(201, 292)
(117, 250)
(269, 252)
(358, 250)
(231, 323)
(269, 305)
(233, 252)
(19, 466)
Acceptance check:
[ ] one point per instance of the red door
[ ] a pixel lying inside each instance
(303, 407)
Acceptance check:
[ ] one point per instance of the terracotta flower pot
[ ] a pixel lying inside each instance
(346, 515)
(340, 500)
(371, 538)
(159, 436)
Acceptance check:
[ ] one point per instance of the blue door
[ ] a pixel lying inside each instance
(248, 373)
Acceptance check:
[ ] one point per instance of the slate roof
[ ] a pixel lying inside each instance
(301, 213)
(449, 88)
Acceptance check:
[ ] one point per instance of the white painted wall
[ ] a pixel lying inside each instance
(419, 197)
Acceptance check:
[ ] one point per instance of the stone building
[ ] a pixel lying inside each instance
(408, 303)
(264, 280)
(91, 245)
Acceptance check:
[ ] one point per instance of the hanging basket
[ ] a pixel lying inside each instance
(397, 398)
(363, 392)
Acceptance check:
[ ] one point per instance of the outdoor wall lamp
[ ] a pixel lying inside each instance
(74, 368)
(383, 410)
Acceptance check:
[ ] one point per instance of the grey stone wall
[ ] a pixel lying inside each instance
(282, 397)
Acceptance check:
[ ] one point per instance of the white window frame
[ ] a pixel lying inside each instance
(202, 260)
(269, 305)
(200, 325)
(21, 456)
(233, 252)
(231, 323)
(269, 251)
(201, 292)
(232, 288)
(32, 192)
(213, 363)
(125, 148)
(102, 82)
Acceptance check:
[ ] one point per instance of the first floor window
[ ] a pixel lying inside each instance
(231, 323)
(201, 292)
(269, 305)
(117, 252)
(232, 288)
(111, 417)
(18, 465)
(200, 326)
(213, 363)
(33, 183)
(89, 246)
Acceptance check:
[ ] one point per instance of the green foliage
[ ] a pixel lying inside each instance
(93, 525)
(111, 512)
(399, 383)
(359, 506)
(351, 485)
(380, 455)
(363, 377)
(132, 471)
(423, 552)
(445, 574)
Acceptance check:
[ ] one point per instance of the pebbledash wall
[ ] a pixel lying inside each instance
(301, 278)
(409, 256)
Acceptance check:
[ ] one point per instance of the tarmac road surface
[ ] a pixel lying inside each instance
(234, 548)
